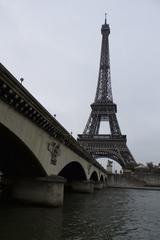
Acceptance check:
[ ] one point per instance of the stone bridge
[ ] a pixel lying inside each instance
(38, 155)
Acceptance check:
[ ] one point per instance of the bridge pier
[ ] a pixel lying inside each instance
(86, 186)
(105, 184)
(47, 191)
(98, 185)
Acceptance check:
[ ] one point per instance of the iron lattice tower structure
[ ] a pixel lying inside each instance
(111, 145)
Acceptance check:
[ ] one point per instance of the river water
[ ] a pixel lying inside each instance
(109, 214)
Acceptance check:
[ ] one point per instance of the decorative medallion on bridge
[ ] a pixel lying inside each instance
(54, 149)
(112, 145)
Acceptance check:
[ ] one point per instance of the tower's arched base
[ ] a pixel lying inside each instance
(109, 146)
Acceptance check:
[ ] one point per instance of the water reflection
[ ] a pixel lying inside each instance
(110, 214)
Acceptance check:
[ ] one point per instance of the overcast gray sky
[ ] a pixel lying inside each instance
(55, 46)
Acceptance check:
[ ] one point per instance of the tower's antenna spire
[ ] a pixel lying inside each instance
(105, 18)
(110, 144)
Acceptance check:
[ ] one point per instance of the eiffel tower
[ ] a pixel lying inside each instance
(111, 145)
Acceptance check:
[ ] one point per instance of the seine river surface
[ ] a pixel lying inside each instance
(107, 214)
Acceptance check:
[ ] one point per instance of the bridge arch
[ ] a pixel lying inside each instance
(16, 158)
(102, 178)
(73, 171)
(94, 176)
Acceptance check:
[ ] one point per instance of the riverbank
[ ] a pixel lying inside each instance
(137, 188)
(146, 181)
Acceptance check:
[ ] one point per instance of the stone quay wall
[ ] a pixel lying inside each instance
(136, 180)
